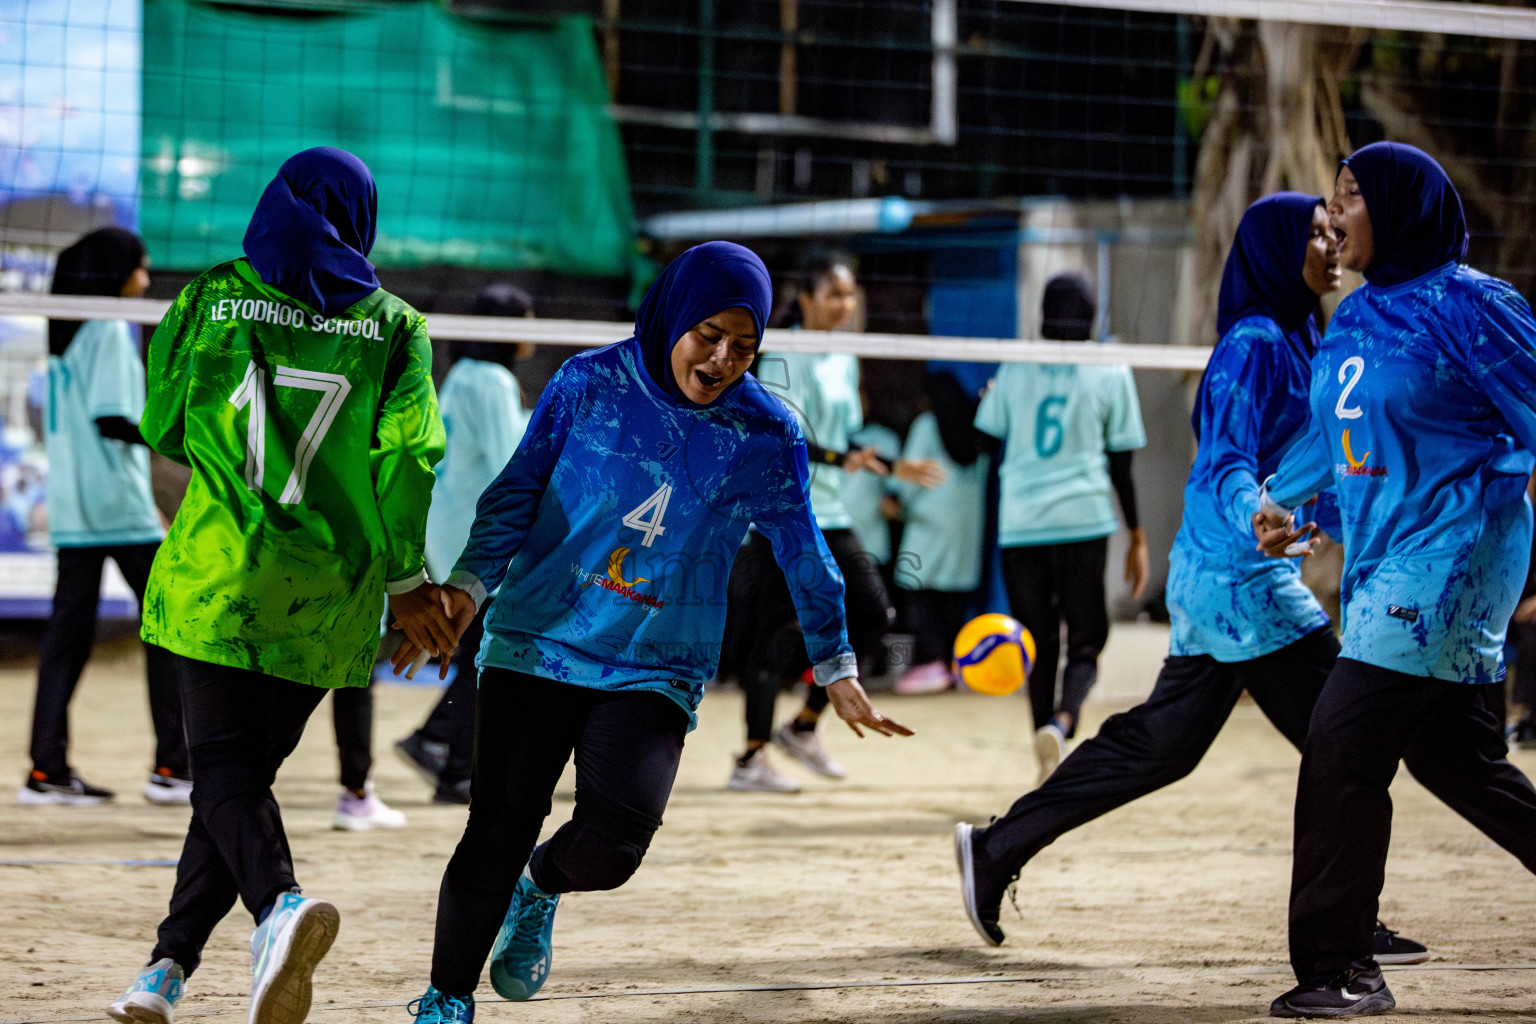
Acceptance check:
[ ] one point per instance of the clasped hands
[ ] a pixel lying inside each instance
(433, 618)
(1281, 538)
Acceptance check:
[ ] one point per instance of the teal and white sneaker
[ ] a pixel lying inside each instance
(436, 1007)
(152, 996)
(285, 949)
(520, 958)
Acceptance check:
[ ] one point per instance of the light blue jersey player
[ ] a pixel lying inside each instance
(1067, 435)
(607, 540)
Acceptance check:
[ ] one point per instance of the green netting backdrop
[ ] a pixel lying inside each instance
(491, 144)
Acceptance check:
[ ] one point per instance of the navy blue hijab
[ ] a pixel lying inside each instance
(1263, 272)
(313, 228)
(1415, 212)
(703, 281)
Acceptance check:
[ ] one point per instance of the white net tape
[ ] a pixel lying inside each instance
(1437, 16)
(588, 333)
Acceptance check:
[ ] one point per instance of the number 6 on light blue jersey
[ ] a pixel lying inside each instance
(1049, 432)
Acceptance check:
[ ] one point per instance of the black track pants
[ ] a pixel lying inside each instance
(627, 747)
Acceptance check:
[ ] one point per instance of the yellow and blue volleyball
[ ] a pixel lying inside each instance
(993, 654)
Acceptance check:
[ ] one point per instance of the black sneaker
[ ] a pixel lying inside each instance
(426, 757)
(41, 789)
(1356, 991)
(1388, 947)
(982, 886)
(1522, 734)
(452, 792)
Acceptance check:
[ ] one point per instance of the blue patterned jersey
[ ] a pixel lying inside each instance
(612, 530)
(1424, 414)
(1227, 599)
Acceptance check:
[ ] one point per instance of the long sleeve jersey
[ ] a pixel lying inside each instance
(311, 443)
(1423, 404)
(1226, 599)
(608, 539)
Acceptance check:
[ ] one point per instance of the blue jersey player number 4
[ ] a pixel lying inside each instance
(604, 548)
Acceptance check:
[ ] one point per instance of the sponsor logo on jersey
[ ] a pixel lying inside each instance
(1357, 467)
(614, 581)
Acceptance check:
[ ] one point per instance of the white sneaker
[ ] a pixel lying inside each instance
(1050, 748)
(361, 813)
(806, 748)
(167, 789)
(285, 948)
(151, 999)
(758, 776)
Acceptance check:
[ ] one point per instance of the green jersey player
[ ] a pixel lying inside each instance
(299, 393)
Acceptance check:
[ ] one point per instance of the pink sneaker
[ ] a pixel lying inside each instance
(932, 677)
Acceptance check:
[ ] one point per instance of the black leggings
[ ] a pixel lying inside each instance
(1161, 741)
(627, 748)
(773, 648)
(240, 726)
(67, 644)
(1049, 584)
(935, 618)
(352, 719)
(1366, 721)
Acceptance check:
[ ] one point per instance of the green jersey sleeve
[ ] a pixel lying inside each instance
(408, 442)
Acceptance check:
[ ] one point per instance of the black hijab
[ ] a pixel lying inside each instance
(100, 263)
(1067, 312)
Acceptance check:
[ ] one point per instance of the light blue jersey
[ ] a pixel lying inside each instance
(1226, 599)
(98, 488)
(942, 544)
(612, 531)
(864, 491)
(1056, 423)
(823, 390)
(1423, 404)
(484, 419)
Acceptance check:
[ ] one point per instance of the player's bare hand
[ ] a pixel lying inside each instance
(1138, 566)
(853, 706)
(409, 657)
(460, 609)
(1283, 541)
(923, 472)
(419, 615)
(865, 458)
(1525, 612)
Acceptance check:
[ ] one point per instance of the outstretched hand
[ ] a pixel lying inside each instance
(853, 706)
(1283, 540)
